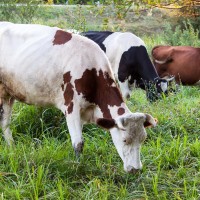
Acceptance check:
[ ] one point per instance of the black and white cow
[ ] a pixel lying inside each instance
(130, 62)
(47, 66)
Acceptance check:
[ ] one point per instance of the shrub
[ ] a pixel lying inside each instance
(187, 36)
(21, 11)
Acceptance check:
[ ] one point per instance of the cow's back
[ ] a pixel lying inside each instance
(34, 58)
(98, 37)
(118, 43)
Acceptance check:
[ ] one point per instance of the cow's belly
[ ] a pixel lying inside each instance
(33, 87)
(187, 77)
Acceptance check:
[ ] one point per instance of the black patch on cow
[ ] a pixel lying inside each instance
(136, 63)
(98, 37)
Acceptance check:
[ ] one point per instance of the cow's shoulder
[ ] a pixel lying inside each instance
(99, 88)
(123, 41)
(131, 39)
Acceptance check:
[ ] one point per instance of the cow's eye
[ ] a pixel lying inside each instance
(128, 140)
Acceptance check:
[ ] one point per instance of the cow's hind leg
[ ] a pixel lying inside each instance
(2, 96)
(6, 103)
(1, 107)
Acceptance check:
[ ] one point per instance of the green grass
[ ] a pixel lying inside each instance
(42, 164)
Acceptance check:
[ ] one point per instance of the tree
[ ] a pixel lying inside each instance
(185, 7)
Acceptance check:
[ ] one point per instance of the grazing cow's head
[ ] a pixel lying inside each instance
(155, 90)
(128, 133)
(158, 88)
(136, 69)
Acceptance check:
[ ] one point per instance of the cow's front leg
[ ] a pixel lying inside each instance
(75, 130)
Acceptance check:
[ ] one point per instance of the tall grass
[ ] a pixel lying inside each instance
(175, 36)
(43, 166)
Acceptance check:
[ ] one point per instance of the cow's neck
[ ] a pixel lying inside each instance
(146, 70)
(147, 73)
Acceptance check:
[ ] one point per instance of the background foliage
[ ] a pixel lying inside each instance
(23, 12)
(109, 12)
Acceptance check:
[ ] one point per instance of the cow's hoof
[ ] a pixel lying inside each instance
(79, 148)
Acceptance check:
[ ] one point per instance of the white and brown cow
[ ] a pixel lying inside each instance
(43, 66)
(182, 62)
(130, 62)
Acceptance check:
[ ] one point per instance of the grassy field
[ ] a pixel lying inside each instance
(42, 164)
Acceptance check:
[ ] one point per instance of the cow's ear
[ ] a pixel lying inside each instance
(106, 123)
(150, 121)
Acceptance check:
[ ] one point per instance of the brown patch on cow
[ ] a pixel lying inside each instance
(97, 88)
(67, 77)
(61, 37)
(106, 123)
(68, 92)
(70, 107)
(121, 111)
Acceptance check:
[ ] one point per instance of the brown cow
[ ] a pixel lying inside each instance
(183, 62)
